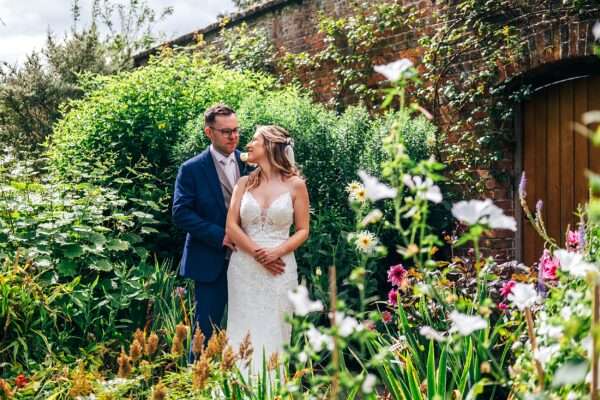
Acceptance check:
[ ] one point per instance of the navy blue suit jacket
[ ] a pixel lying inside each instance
(199, 209)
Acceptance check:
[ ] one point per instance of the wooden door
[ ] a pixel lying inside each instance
(555, 157)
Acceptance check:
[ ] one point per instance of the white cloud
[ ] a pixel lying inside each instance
(26, 23)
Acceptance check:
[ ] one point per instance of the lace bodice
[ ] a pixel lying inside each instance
(271, 223)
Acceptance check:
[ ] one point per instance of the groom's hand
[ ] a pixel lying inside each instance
(228, 243)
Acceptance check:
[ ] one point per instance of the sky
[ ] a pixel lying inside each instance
(25, 23)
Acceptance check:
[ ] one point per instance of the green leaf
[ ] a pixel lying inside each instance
(67, 268)
(148, 230)
(431, 388)
(72, 250)
(117, 245)
(101, 264)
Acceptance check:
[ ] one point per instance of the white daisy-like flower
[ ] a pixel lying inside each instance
(425, 189)
(369, 383)
(395, 70)
(318, 340)
(574, 264)
(483, 212)
(372, 217)
(366, 242)
(354, 186)
(432, 334)
(466, 324)
(523, 295)
(375, 189)
(302, 303)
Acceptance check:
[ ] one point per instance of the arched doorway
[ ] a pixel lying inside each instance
(555, 157)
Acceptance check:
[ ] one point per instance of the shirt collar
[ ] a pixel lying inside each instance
(220, 157)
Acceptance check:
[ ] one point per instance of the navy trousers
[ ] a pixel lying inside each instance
(210, 300)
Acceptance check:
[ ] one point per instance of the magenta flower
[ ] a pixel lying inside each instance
(396, 275)
(503, 306)
(573, 240)
(393, 297)
(507, 288)
(548, 266)
(386, 317)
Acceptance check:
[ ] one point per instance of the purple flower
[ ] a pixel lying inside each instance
(396, 275)
(523, 186)
(581, 231)
(538, 206)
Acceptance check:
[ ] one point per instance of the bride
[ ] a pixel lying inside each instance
(263, 269)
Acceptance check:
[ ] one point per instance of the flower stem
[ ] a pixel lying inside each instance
(334, 357)
(531, 334)
(595, 344)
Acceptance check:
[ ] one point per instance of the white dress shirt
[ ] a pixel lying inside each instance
(228, 164)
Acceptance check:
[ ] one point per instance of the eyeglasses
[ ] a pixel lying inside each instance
(227, 132)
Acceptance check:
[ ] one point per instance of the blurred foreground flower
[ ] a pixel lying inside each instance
(302, 303)
(466, 324)
(574, 264)
(375, 189)
(483, 212)
(396, 70)
(523, 295)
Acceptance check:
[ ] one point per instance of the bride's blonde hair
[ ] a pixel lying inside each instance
(280, 153)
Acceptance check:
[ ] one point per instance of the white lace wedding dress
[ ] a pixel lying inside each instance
(258, 301)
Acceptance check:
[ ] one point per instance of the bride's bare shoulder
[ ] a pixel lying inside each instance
(297, 184)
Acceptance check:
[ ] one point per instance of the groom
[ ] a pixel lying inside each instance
(202, 194)
(203, 191)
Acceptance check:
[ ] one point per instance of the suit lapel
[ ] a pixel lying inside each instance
(213, 179)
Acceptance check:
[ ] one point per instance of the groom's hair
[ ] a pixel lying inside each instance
(211, 114)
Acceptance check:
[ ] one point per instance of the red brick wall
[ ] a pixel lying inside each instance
(552, 35)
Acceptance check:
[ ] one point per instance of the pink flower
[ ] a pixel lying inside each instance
(507, 288)
(572, 242)
(548, 265)
(396, 274)
(386, 317)
(503, 306)
(393, 297)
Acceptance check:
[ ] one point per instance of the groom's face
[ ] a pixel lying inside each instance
(224, 133)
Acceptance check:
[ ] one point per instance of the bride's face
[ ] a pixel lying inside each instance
(256, 149)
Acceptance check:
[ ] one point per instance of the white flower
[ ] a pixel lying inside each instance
(375, 189)
(302, 303)
(570, 373)
(317, 340)
(368, 383)
(394, 70)
(483, 212)
(424, 189)
(347, 325)
(366, 242)
(244, 157)
(372, 217)
(302, 357)
(596, 30)
(544, 354)
(551, 331)
(432, 334)
(523, 295)
(566, 313)
(356, 191)
(466, 324)
(574, 264)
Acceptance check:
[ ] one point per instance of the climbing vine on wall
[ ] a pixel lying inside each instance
(351, 44)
